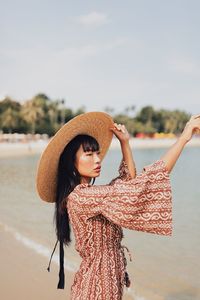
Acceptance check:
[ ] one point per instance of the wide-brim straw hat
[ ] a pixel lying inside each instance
(95, 124)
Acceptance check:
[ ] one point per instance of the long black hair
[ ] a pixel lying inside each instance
(67, 179)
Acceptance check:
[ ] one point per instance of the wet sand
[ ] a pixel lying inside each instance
(24, 276)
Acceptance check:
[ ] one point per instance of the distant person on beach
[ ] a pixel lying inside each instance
(97, 213)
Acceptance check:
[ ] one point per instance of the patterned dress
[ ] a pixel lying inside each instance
(97, 215)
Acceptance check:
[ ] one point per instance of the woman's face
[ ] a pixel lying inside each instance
(88, 164)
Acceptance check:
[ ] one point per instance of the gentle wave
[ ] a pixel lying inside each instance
(38, 248)
(46, 252)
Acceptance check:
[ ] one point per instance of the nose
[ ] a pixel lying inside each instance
(97, 158)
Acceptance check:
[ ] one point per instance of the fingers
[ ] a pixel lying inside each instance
(118, 127)
(194, 122)
(195, 117)
(197, 123)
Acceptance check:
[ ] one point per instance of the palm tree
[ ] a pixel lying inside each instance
(32, 113)
(10, 119)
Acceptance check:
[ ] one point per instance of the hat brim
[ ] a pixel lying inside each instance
(95, 124)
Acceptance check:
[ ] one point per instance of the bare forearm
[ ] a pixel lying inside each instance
(171, 156)
(128, 158)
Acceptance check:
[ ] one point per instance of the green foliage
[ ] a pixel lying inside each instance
(10, 116)
(149, 121)
(43, 115)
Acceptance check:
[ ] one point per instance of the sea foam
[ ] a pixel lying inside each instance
(38, 248)
(46, 252)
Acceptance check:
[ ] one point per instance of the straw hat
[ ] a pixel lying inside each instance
(95, 124)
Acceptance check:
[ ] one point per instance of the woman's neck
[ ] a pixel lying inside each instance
(85, 179)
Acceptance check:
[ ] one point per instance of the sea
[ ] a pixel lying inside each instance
(162, 268)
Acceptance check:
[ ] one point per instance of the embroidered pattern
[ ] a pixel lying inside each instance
(97, 215)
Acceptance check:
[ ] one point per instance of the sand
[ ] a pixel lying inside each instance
(32, 148)
(24, 276)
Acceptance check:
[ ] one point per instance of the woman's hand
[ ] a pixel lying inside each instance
(120, 132)
(191, 127)
(123, 136)
(171, 156)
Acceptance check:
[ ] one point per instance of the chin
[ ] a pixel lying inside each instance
(96, 175)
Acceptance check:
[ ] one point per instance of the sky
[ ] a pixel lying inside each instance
(101, 54)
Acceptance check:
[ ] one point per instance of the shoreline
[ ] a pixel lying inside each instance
(34, 281)
(8, 149)
(24, 275)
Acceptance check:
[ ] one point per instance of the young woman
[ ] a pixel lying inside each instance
(97, 213)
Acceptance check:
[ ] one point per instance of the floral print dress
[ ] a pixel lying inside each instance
(97, 215)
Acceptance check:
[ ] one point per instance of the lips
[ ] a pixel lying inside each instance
(98, 169)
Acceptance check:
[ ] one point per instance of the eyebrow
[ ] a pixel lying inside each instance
(92, 150)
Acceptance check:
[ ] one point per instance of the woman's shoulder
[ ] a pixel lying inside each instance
(85, 193)
(87, 189)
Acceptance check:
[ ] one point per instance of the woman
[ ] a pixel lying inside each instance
(97, 213)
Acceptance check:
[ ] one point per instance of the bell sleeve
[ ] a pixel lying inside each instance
(143, 203)
(123, 171)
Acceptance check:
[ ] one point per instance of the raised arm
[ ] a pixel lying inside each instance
(171, 156)
(122, 134)
(143, 203)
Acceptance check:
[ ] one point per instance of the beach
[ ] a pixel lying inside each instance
(163, 268)
(8, 149)
(24, 273)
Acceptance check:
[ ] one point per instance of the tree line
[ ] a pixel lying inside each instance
(45, 116)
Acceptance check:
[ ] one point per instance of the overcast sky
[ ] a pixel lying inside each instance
(102, 53)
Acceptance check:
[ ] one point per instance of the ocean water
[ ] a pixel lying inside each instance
(163, 268)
